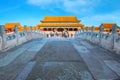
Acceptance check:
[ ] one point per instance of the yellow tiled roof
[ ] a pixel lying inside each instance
(108, 25)
(60, 19)
(12, 25)
(59, 25)
(96, 28)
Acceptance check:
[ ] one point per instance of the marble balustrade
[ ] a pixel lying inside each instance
(109, 41)
(8, 41)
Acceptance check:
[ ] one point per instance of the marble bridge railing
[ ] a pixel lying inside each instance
(11, 40)
(109, 41)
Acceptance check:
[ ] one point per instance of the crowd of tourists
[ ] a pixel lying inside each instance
(55, 33)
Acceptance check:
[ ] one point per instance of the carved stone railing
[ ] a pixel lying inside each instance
(108, 41)
(8, 41)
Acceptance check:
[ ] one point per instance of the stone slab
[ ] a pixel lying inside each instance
(36, 47)
(12, 55)
(98, 69)
(25, 72)
(114, 65)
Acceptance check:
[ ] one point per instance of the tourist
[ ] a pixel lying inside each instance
(65, 33)
(71, 35)
(55, 33)
(51, 34)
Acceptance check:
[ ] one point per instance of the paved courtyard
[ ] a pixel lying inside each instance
(59, 59)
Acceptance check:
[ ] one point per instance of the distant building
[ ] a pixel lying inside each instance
(9, 27)
(59, 23)
(107, 27)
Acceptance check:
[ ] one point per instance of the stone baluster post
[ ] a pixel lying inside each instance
(100, 33)
(82, 32)
(16, 35)
(25, 32)
(35, 29)
(30, 28)
(101, 29)
(39, 32)
(92, 29)
(3, 35)
(31, 33)
(78, 33)
(86, 32)
(92, 34)
(44, 35)
(114, 35)
(75, 34)
(114, 29)
(86, 29)
(83, 29)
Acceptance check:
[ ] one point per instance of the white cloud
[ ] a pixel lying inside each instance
(79, 8)
(42, 3)
(73, 6)
(98, 19)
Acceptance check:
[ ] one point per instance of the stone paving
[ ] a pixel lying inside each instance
(59, 59)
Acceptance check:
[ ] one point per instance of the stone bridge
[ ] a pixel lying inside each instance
(31, 56)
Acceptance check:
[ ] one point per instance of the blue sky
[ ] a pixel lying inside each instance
(30, 12)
